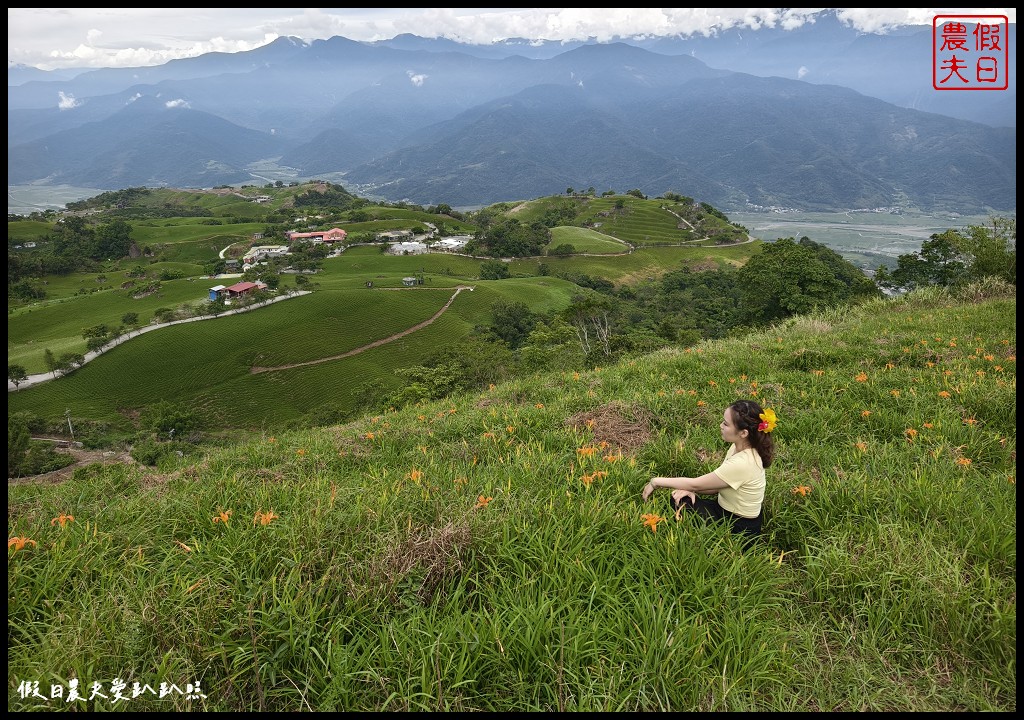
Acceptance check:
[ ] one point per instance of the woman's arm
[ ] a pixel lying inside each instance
(708, 484)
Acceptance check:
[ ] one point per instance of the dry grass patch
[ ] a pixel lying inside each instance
(626, 427)
(428, 557)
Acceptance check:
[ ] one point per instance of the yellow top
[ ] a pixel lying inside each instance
(743, 473)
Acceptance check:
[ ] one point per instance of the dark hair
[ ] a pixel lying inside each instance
(747, 416)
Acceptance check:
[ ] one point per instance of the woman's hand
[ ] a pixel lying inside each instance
(649, 488)
(678, 495)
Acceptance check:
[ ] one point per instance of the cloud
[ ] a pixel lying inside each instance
(133, 37)
(416, 79)
(801, 72)
(65, 101)
(179, 103)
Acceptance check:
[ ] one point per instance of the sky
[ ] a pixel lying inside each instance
(54, 38)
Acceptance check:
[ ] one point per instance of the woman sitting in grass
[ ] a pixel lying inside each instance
(739, 481)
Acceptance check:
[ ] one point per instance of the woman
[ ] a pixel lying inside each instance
(739, 481)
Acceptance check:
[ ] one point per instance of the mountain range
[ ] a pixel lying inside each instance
(732, 120)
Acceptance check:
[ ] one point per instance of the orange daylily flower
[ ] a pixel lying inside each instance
(990, 358)
(272, 440)
(970, 421)
(651, 520)
(928, 425)
(889, 366)
(586, 451)
(481, 502)
(587, 479)
(894, 393)
(861, 377)
(62, 519)
(701, 403)
(865, 413)
(300, 452)
(19, 542)
(911, 433)
(712, 383)
(944, 394)
(369, 436)
(539, 405)
(862, 446)
(264, 518)
(801, 490)
(963, 461)
(416, 475)
(819, 373)
(222, 517)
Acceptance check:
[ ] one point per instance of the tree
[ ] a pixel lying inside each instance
(512, 321)
(786, 279)
(17, 375)
(17, 444)
(131, 319)
(940, 261)
(590, 316)
(563, 250)
(51, 361)
(494, 270)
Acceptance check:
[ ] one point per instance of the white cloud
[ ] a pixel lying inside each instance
(65, 101)
(801, 72)
(416, 78)
(113, 37)
(179, 103)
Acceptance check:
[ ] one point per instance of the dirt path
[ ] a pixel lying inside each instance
(375, 343)
(82, 458)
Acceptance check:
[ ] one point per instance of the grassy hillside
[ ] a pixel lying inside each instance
(490, 552)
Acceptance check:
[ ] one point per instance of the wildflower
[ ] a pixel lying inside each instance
(488, 436)
(421, 418)
(692, 393)
(712, 383)
(651, 520)
(510, 429)
(947, 373)
(586, 451)
(743, 377)
(952, 343)
(861, 377)
(264, 518)
(300, 452)
(481, 502)
(19, 542)
(930, 364)
(539, 405)
(928, 425)
(894, 393)
(911, 433)
(980, 373)
(732, 381)
(970, 421)
(374, 420)
(963, 461)
(590, 423)
(459, 481)
(944, 394)
(575, 376)
(865, 413)
(819, 373)
(587, 479)
(889, 366)
(997, 368)
(416, 475)
(62, 519)
(701, 403)
(990, 358)
(491, 386)
(272, 440)
(369, 436)
(768, 420)
(801, 490)
(222, 517)
(613, 458)
(862, 446)
(753, 384)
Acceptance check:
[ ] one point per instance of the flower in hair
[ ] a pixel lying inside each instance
(768, 421)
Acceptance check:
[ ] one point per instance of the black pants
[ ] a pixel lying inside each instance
(750, 528)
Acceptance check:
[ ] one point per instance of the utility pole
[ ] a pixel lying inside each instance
(67, 414)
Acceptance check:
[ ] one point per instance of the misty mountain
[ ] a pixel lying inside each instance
(435, 121)
(146, 143)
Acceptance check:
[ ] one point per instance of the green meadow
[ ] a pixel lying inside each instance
(491, 552)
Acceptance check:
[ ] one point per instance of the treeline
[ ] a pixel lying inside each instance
(74, 245)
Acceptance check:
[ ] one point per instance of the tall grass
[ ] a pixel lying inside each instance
(488, 552)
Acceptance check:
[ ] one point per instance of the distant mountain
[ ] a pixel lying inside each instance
(146, 143)
(435, 121)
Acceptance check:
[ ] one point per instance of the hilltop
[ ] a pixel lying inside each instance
(489, 551)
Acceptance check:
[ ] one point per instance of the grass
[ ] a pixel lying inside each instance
(488, 552)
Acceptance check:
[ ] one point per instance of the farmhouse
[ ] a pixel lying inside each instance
(262, 252)
(236, 290)
(407, 248)
(318, 236)
(451, 244)
(393, 235)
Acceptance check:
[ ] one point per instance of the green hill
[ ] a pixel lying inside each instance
(489, 552)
